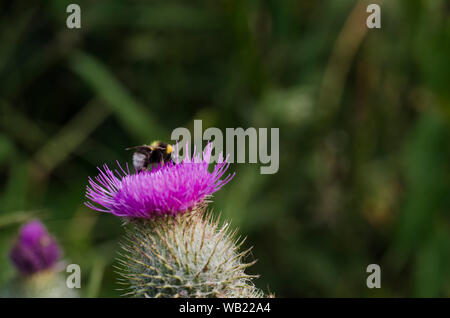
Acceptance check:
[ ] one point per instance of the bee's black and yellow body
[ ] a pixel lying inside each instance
(155, 153)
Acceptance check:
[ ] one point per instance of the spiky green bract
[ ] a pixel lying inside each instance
(187, 255)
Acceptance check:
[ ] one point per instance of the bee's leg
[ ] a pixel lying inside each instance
(143, 166)
(141, 169)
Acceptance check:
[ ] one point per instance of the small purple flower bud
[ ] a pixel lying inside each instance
(34, 250)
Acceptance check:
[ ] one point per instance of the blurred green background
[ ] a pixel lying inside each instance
(363, 114)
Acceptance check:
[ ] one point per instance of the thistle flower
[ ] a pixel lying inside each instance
(166, 189)
(172, 248)
(35, 250)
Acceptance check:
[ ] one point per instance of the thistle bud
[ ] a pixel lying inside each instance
(37, 257)
(35, 250)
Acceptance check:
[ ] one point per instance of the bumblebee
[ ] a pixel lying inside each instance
(156, 153)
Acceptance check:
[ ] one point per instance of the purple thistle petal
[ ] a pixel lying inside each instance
(35, 250)
(168, 189)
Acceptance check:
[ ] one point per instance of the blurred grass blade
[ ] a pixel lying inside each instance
(428, 268)
(133, 115)
(16, 217)
(58, 148)
(96, 277)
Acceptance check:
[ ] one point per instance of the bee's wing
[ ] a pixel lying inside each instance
(137, 147)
